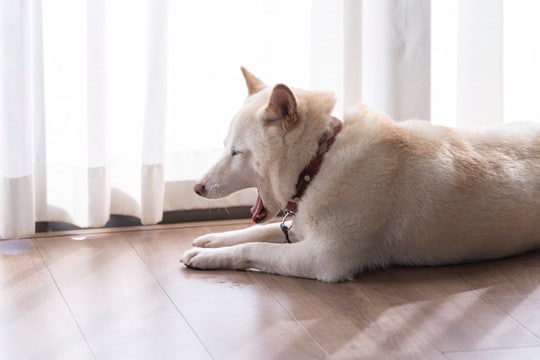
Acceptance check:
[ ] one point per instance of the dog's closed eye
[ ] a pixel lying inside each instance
(235, 152)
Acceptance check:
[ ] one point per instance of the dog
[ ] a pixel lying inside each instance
(368, 192)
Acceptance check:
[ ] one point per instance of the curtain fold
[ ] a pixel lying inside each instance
(153, 144)
(480, 66)
(108, 107)
(482, 62)
(396, 54)
(17, 55)
(17, 206)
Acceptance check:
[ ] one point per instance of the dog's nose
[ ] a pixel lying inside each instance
(200, 189)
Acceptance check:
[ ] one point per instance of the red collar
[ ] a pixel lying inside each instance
(309, 172)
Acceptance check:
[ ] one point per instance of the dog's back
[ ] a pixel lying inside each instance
(431, 195)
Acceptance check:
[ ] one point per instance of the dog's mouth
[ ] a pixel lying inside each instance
(258, 211)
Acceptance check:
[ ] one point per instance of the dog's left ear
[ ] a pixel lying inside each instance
(281, 108)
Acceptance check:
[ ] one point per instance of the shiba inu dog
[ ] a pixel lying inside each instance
(368, 192)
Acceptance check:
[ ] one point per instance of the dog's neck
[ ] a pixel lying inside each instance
(306, 176)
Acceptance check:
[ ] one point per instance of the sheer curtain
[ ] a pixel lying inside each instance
(116, 107)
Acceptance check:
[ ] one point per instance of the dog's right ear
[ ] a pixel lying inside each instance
(253, 83)
(281, 108)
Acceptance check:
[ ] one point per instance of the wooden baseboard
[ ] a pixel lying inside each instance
(176, 219)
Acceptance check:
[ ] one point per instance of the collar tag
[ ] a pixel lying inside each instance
(284, 228)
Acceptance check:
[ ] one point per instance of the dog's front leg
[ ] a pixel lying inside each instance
(301, 259)
(255, 233)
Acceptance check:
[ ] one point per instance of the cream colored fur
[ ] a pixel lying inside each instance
(388, 193)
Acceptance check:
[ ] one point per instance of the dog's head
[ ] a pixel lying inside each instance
(268, 144)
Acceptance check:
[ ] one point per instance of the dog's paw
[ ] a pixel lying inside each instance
(217, 240)
(207, 241)
(208, 259)
(195, 258)
(198, 258)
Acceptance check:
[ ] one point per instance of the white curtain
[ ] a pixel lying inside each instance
(116, 107)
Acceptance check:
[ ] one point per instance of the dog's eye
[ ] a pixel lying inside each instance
(235, 152)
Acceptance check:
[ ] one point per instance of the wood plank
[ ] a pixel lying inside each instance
(347, 323)
(513, 284)
(453, 314)
(118, 304)
(233, 314)
(35, 322)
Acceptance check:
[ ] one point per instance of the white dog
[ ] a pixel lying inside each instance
(369, 192)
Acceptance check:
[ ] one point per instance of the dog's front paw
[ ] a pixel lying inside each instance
(195, 258)
(208, 259)
(217, 240)
(207, 241)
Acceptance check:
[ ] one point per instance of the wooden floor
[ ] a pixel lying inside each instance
(123, 295)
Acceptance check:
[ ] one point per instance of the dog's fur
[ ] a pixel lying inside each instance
(408, 193)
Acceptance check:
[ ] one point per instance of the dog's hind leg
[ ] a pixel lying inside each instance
(256, 233)
(301, 259)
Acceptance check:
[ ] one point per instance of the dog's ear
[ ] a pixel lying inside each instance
(281, 108)
(253, 83)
